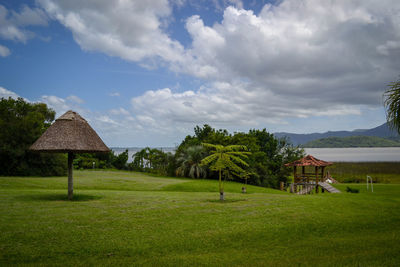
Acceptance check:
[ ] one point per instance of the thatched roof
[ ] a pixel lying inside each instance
(309, 161)
(70, 133)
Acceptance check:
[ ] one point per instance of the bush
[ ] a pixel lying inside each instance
(352, 190)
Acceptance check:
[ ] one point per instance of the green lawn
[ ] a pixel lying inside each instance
(125, 218)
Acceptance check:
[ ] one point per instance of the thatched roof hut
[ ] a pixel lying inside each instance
(70, 134)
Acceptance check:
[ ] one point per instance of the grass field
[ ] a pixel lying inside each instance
(125, 218)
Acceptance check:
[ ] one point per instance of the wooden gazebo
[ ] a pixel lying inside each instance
(308, 180)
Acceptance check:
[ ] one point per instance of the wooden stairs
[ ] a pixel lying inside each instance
(310, 187)
(328, 187)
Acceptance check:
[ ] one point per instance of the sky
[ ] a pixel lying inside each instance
(145, 73)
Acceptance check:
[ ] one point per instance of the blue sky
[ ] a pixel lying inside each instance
(144, 73)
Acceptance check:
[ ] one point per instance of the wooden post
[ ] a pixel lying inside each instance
(294, 174)
(323, 177)
(303, 171)
(70, 179)
(316, 180)
(294, 179)
(282, 185)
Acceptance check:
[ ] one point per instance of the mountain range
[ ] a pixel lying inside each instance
(382, 131)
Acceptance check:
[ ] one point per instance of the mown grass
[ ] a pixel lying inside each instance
(356, 172)
(122, 218)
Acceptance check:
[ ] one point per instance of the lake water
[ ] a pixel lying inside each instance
(328, 154)
(356, 154)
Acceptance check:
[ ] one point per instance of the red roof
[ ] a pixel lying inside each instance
(309, 161)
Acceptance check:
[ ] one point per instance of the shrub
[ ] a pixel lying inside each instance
(352, 190)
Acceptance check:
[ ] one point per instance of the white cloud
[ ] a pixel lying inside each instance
(59, 104)
(119, 111)
(224, 105)
(4, 93)
(4, 51)
(75, 99)
(132, 30)
(13, 24)
(294, 59)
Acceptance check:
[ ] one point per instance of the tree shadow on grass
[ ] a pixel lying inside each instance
(59, 197)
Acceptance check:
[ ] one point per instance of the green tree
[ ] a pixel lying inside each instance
(392, 105)
(189, 162)
(120, 160)
(21, 124)
(226, 159)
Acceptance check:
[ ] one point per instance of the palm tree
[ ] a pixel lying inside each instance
(190, 163)
(392, 105)
(225, 159)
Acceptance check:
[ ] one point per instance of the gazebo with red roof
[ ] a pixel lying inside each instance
(304, 178)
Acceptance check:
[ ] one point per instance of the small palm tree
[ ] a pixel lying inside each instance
(190, 163)
(226, 159)
(392, 105)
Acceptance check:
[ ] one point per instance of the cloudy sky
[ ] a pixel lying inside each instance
(146, 72)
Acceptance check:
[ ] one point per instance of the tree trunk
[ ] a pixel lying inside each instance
(70, 179)
(221, 190)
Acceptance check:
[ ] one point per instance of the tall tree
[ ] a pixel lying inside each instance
(226, 159)
(392, 105)
(21, 123)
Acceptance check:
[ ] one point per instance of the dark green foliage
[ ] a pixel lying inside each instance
(189, 162)
(21, 124)
(153, 160)
(392, 105)
(352, 190)
(354, 141)
(268, 154)
(120, 160)
(101, 160)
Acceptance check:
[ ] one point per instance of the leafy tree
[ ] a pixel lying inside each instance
(139, 160)
(226, 159)
(268, 153)
(392, 105)
(120, 160)
(153, 160)
(189, 162)
(21, 124)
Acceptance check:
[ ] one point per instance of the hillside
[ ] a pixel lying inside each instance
(382, 131)
(352, 141)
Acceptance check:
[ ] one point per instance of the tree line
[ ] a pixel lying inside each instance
(263, 164)
(22, 123)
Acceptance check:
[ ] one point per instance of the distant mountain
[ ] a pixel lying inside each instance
(382, 131)
(352, 141)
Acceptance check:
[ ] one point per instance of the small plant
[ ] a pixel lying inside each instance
(352, 190)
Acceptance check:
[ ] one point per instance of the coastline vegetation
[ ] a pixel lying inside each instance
(356, 172)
